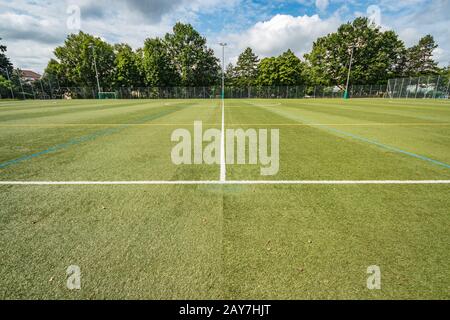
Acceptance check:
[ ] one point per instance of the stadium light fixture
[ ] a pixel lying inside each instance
(223, 45)
(95, 67)
(7, 75)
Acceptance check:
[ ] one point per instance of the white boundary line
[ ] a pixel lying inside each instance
(223, 168)
(237, 182)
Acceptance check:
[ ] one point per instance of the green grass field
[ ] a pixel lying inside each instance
(225, 241)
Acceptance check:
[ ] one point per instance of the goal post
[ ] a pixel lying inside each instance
(107, 95)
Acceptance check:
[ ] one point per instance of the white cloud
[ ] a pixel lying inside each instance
(284, 32)
(422, 21)
(32, 29)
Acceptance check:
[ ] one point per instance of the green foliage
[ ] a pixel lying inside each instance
(377, 55)
(76, 58)
(5, 84)
(445, 72)
(55, 71)
(230, 75)
(268, 72)
(284, 70)
(5, 63)
(156, 66)
(182, 58)
(246, 70)
(420, 58)
(193, 60)
(126, 67)
(290, 69)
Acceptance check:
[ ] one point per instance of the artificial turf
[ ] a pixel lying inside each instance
(224, 241)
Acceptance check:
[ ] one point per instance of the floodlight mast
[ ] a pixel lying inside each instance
(223, 45)
(349, 71)
(352, 47)
(7, 75)
(95, 67)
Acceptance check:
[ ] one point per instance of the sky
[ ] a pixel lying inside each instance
(32, 29)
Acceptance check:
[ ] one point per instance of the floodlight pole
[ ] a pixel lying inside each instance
(223, 45)
(21, 86)
(346, 96)
(95, 67)
(7, 75)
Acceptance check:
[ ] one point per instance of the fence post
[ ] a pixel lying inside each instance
(407, 91)
(417, 88)
(448, 87)
(395, 86)
(401, 88)
(436, 87)
(51, 89)
(428, 83)
(32, 90)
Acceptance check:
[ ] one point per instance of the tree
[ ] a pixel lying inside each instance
(377, 55)
(5, 86)
(76, 59)
(284, 70)
(55, 70)
(268, 72)
(156, 66)
(246, 70)
(420, 58)
(5, 63)
(194, 62)
(290, 72)
(445, 72)
(230, 75)
(126, 67)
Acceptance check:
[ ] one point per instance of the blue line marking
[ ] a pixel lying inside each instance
(90, 137)
(379, 144)
(385, 146)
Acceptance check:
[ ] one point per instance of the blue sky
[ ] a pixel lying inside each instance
(33, 28)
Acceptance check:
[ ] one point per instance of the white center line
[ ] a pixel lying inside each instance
(237, 182)
(223, 169)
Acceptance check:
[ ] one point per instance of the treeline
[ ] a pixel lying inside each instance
(182, 58)
(377, 57)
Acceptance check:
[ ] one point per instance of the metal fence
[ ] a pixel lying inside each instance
(428, 87)
(422, 87)
(39, 90)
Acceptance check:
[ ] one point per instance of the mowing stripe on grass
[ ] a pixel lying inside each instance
(390, 148)
(241, 182)
(52, 125)
(90, 137)
(363, 139)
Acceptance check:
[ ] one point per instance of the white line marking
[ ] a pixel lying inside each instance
(230, 182)
(223, 169)
(263, 105)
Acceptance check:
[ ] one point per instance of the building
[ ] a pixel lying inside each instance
(30, 76)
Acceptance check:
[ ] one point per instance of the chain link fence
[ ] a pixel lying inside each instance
(422, 87)
(42, 90)
(428, 87)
